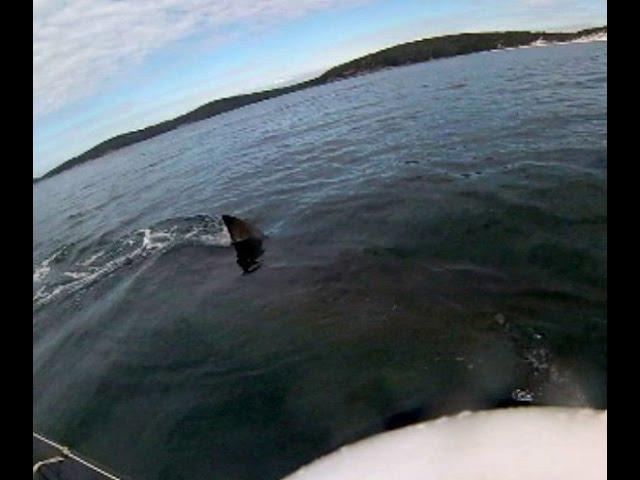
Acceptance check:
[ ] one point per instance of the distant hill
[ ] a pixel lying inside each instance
(404, 54)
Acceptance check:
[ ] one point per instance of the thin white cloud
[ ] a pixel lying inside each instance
(81, 45)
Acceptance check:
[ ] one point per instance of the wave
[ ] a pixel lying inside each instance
(54, 277)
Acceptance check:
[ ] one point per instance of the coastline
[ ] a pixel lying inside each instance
(410, 53)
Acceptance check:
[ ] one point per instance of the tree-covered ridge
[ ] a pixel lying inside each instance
(404, 54)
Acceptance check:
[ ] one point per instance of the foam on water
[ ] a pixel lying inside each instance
(42, 270)
(91, 259)
(51, 283)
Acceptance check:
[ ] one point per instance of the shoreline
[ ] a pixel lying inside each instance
(418, 51)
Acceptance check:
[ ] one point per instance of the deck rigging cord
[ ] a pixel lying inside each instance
(64, 454)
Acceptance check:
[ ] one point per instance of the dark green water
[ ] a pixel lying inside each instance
(437, 242)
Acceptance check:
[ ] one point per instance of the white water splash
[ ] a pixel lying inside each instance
(42, 270)
(91, 259)
(200, 230)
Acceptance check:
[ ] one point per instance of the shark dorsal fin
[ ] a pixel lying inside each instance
(247, 241)
(240, 229)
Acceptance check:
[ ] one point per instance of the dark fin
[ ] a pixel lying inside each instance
(249, 252)
(247, 241)
(240, 229)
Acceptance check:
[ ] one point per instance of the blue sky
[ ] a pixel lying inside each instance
(105, 67)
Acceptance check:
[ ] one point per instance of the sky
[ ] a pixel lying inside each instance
(106, 67)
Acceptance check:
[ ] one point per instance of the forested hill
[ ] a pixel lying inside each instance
(404, 54)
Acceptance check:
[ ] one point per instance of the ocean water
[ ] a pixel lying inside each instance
(436, 242)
